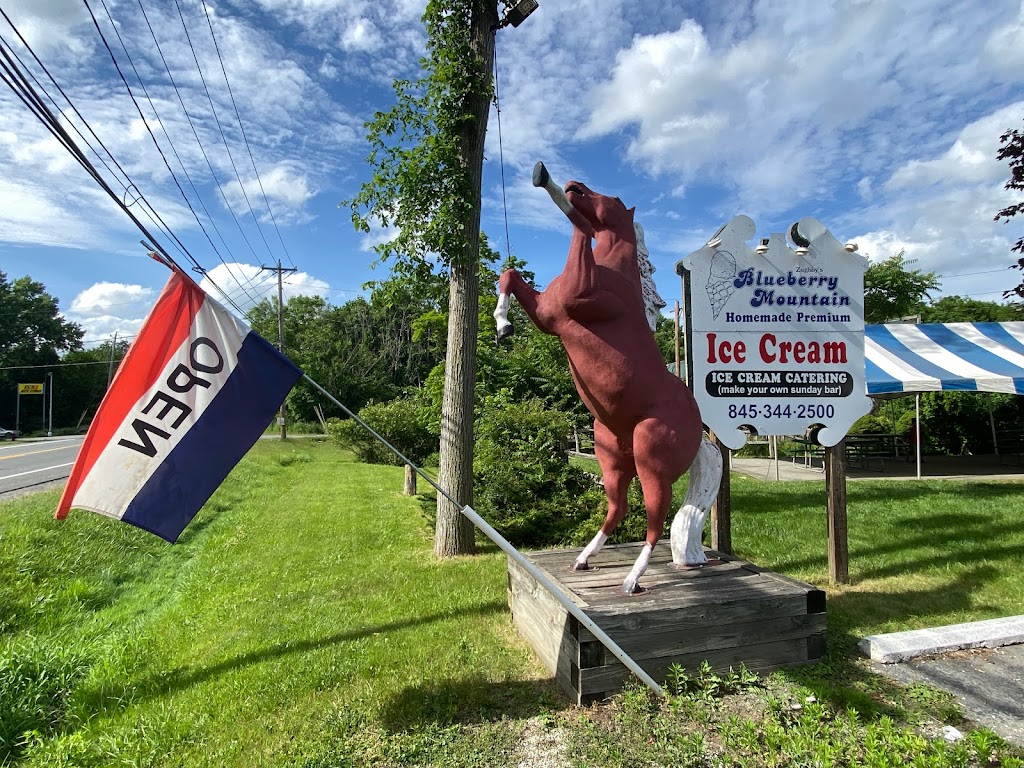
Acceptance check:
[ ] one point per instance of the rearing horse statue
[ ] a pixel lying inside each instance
(646, 422)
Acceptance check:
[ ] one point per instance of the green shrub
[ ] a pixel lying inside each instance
(869, 425)
(401, 422)
(524, 484)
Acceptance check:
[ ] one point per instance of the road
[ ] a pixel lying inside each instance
(27, 465)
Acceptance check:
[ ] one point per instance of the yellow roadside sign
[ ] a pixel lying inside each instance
(30, 389)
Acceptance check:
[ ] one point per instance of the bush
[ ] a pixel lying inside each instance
(869, 425)
(401, 422)
(524, 484)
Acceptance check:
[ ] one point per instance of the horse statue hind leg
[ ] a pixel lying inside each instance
(646, 423)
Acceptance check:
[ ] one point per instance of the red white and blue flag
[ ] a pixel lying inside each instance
(195, 391)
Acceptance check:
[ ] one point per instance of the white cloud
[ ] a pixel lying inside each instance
(286, 188)
(98, 299)
(362, 35)
(50, 26)
(970, 160)
(780, 108)
(241, 287)
(940, 209)
(378, 235)
(105, 308)
(1003, 48)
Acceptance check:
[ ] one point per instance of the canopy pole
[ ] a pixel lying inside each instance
(992, 426)
(917, 429)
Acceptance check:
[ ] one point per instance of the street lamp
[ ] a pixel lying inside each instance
(517, 14)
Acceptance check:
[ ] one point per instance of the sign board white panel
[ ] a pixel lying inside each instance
(776, 335)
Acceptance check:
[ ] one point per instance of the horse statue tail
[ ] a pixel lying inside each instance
(701, 490)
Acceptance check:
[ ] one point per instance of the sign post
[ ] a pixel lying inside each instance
(49, 392)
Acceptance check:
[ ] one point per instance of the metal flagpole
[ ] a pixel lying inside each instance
(512, 552)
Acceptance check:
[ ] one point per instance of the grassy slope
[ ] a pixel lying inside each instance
(309, 606)
(302, 620)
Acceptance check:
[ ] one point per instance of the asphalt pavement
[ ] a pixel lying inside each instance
(988, 683)
(28, 465)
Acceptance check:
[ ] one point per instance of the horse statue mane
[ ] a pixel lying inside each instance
(653, 303)
(603, 307)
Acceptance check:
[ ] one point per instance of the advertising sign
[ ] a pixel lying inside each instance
(776, 335)
(30, 389)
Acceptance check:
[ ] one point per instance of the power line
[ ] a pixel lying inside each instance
(12, 73)
(220, 127)
(191, 124)
(245, 138)
(163, 127)
(56, 365)
(14, 78)
(501, 151)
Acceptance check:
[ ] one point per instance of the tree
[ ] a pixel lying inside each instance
(427, 160)
(961, 309)
(1012, 149)
(32, 333)
(81, 380)
(360, 351)
(891, 291)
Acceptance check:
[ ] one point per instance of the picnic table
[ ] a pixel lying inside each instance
(1009, 445)
(861, 450)
(866, 448)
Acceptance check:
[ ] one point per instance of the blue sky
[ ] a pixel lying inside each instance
(881, 119)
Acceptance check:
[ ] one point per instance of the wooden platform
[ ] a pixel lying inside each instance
(728, 613)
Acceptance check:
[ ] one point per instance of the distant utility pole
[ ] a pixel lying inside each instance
(280, 327)
(110, 365)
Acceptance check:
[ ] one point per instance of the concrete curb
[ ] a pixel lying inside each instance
(903, 646)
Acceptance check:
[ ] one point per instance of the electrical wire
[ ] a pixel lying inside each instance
(13, 76)
(163, 127)
(220, 127)
(18, 82)
(501, 152)
(245, 138)
(195, 133)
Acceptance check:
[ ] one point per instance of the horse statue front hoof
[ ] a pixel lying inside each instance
(632, 588)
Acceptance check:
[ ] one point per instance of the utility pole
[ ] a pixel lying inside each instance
(679, 359)
(280, 328)
(110, 365)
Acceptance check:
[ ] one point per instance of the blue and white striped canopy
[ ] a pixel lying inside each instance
(967, 357)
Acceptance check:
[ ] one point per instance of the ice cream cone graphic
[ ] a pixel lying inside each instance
(720, 281)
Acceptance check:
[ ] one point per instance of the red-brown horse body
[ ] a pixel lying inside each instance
(646, 422)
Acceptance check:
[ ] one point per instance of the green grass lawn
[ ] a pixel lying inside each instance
(922, 553)
(303, 621)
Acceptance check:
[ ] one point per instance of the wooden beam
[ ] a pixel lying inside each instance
(835, 486)
(721, 511)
